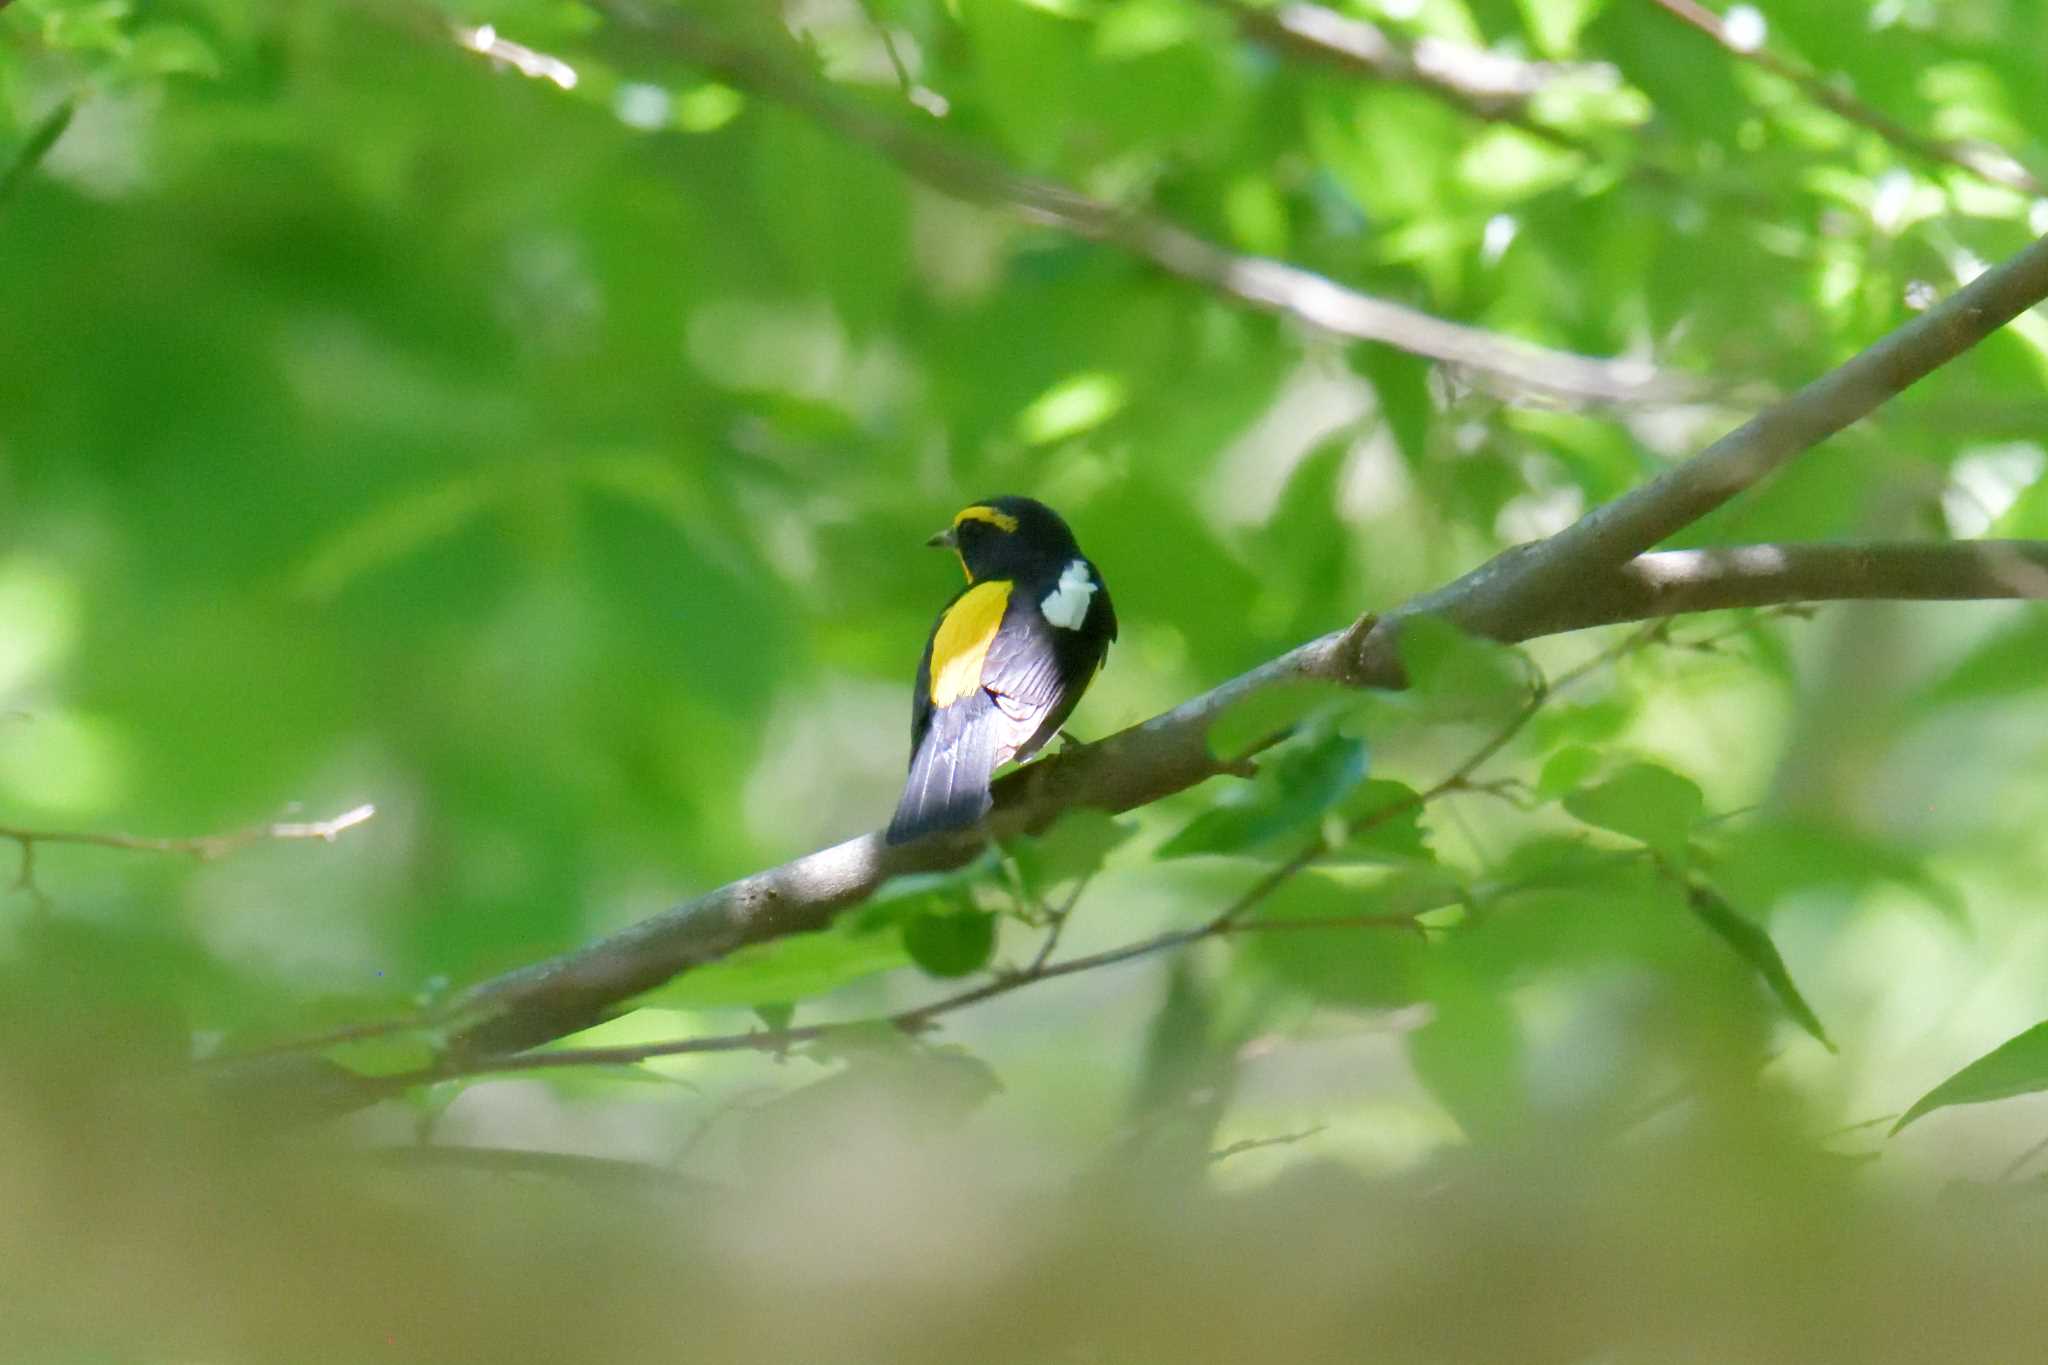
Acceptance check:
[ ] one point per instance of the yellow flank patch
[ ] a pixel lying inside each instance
(1002, 521)
(965, 632)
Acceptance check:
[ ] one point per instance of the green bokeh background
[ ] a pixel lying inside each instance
(550, 466)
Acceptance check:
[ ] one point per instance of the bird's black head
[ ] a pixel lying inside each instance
(1008, 537)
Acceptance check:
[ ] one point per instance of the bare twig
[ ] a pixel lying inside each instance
(634, 1176)
(2022, 1161)
(204, 847)
(1058, 925)
(319, 1042)
(904, 80)
(1254, 1144)
(1980, 159)
(916, 1019)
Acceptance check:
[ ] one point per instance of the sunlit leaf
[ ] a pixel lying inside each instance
(1070, 407)
(799, 967)
(1645, 802)
(1331, 949)
(2017, 1066)
(1459, 676)
(1383, 823)
(1074, 846)
(1292, 791)
(1271, 712)
(1566, 769)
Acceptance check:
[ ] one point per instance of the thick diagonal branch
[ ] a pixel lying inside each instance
(1169, 753)
(1523, 582)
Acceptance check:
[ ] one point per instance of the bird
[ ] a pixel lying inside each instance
(1006, 661)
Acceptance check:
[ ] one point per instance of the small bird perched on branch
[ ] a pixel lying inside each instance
(1007, 659)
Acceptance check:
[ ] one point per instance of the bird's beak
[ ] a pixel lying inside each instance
(948, 539)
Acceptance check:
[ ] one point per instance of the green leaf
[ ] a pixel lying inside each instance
(1754, 946)
(1073, 847)
(950, 943)
(386, 534)
(1076, 404)
(1401, 383)
(2018, 1066)
(785, 971)
(1460, 676)
(2005, 664)
(1469, 1054)
(1555, 24)
(1292, 791)
(1270, 712)
(1385, 824)
(1647, 803)
(1762, 863)
(1369, 966)
(1566, 769)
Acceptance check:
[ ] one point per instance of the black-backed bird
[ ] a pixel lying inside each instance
(1006, 661)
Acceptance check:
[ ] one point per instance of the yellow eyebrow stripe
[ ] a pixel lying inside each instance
(1002, 521)
(961, 643)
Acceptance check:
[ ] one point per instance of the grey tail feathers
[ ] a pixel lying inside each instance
(948, 784)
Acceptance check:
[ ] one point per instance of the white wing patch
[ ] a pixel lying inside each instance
(1067, 605)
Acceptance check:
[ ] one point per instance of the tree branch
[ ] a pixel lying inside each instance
(1483, 84)
(1170, 753)
(1673, 582)
(1530, 580)
(1980, 159)
(1593, 573)
(1253, 281)
(204, 847)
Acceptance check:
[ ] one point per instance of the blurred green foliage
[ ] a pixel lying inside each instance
(542, 453)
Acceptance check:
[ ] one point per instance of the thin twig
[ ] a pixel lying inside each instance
(320, 1042)
(205, 847)
(2022, 1161)
(1858, 1126)
(881, 28)
(611, 1171)
(916, 1019)
(1254, 1144)
(1059, 919)
(1986, 162)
